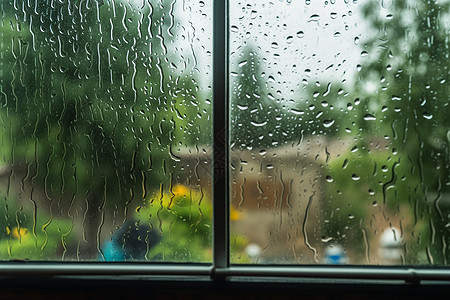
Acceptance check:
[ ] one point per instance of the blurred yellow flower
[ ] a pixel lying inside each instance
(180, 190)
(234, 214)
(17, 232)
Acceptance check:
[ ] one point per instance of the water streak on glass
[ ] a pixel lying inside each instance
(339, 132)
(105, 112)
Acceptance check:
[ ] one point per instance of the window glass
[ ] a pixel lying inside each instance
(340, 132)
(105, 119)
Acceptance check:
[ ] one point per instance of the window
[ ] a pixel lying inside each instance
(319, 129)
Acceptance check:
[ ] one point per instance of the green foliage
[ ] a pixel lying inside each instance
(31, 236)
(183, 218)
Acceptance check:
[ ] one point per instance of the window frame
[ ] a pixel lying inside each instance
(220, 269)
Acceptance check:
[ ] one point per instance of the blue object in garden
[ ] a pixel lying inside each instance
(130, 242)
(335, 255)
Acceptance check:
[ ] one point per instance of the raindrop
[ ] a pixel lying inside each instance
(356, 40)
(300, 34)
(355, 177)
(345, 164)
(329, 178)
(314, 18)
(328, 123)
(364, 53)
(326, 239)
(333, 15)
(258, 124)
(289, 39)
(274, 45)
(297, 112)
(242, 63)
(369, 117)
(427, 116)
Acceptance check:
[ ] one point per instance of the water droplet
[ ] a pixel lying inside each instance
(297, 112)
(289, 39)
(329, 178)
(300, 34)
(258, 124)
(274, 45)
(389, 16)
(427, 116)
(355, 177)
(364, 53)
(333, 15)
(328, 123)
(242, 63)
(371, 192)
(345, 164)
(369, 117)
(356, 40)
(351, 217)
(384, 168)
(326, 239)
(314, 18)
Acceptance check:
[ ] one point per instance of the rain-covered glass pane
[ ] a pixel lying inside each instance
(105, 122)
(340, 132)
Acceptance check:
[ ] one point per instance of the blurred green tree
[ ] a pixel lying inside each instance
(97, 100)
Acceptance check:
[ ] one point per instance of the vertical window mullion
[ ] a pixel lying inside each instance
(221, 134)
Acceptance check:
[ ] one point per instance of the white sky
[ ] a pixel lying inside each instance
(293, 37)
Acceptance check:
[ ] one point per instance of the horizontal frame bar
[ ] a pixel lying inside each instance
(89, 269)
(377, 273)
(12, 269)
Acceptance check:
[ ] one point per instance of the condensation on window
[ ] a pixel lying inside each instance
(340, 132)
(105, 130)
